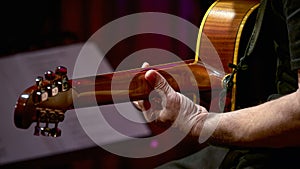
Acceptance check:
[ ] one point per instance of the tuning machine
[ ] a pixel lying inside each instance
(48, 116)
(62, 81)
(47, 131)
(51, 88)
(40, 94)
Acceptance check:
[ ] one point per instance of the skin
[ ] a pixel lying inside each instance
(274, 124)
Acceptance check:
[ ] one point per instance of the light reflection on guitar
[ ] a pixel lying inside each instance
(49, 99)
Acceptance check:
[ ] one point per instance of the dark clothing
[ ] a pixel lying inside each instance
(287, 158)
(285, 26)
(291, 13)
(282, 21)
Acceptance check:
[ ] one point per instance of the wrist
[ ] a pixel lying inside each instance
(199, 122)
(189, 115)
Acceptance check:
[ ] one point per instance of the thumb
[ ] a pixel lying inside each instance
(157, 81)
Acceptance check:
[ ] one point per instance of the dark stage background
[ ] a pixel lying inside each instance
(32, 25)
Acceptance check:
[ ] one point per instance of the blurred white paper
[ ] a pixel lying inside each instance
(17, 73)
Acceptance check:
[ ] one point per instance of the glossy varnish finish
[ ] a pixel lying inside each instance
(222, 26)
(223, 36)
(186, 77)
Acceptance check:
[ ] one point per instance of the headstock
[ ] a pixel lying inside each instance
(45, 102)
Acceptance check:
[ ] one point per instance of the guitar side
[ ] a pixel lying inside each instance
(226, 29)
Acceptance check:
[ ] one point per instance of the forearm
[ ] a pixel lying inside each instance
(272, 124)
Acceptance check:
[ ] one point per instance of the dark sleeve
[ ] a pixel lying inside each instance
(291, 10)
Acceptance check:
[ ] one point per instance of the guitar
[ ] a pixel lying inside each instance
(224, 27)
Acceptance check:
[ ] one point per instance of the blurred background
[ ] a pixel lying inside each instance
(36, 30)
(32, 25)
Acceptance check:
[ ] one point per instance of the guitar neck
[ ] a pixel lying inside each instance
(125, 86)
(187, 77)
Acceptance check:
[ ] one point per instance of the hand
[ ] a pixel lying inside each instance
(165, 104)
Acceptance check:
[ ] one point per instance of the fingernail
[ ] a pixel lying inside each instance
(151, 76)
(145, 64)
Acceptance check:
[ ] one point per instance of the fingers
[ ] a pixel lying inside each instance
(145, 65)
(142, 105)
(158, 99)
(157, 81)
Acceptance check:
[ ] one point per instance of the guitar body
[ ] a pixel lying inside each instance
(224, 34)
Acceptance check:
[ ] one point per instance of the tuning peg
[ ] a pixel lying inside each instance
(63, 82)
(51, 88)
(45, 131)
(37, 129)
(40, 94)
(61, 70)
(55, 132)
(49, 75)
(39, 81)
(61, 117)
